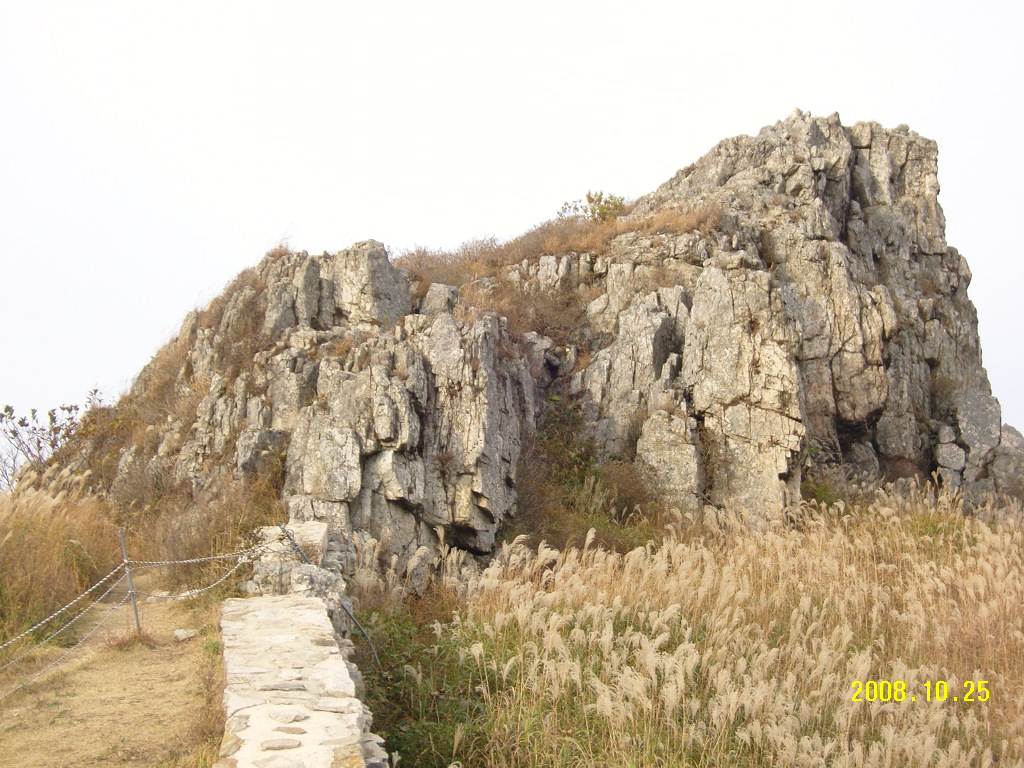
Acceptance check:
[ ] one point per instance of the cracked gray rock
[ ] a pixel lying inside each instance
(820, 313)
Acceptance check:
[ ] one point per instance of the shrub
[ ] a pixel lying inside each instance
(339, 348)
(819, 489)
(423, 693)
(31, 440)
(470, 261)
(598, 207)
(944, 388)
(767, 247)
(556, 314)
(102, 434)
(629, 491)
(566, 235)
(562, 490)
(580, 227)
(223, 520)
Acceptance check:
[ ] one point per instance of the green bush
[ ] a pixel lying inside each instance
(598, 207)
(564, 490)
(423, 696)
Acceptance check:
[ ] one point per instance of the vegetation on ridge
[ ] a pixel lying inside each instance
(477, 266)
(721, 646)
(564, 490)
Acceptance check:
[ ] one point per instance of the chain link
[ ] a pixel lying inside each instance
(297, 548)
(59, 631)
(242, 556)
(59, 611)
(294, 543)
(190, 593)
(140, 565)
(70, 650)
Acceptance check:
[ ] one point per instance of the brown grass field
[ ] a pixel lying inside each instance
(718, 643)
(731, 645)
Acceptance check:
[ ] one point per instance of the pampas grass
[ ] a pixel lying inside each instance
(54, 544)
(727, 646)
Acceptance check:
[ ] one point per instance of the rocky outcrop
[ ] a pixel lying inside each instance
(423, 432)
(388, 425)
(789, 300)
(829, 320)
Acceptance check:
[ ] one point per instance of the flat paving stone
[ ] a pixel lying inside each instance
(277, 744)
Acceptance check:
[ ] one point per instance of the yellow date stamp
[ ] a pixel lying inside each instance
(898, 690)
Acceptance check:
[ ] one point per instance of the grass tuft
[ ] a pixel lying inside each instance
(129, 640)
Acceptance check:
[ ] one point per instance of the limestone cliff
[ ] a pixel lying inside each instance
(788, 299)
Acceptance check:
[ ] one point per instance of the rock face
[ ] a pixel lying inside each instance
(390, 425)
(827, 317)
(790, 299)
(424, 431)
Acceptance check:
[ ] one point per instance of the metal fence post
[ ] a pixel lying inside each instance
(131, 586)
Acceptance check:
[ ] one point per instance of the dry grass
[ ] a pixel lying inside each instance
(728, 646)
(337, 348)
(630, 494)
(569, 234)
(558, 315)
(128, 640)
(137, 419)
(486, 257)
(52, 548)
(679, 220)
(119, 702)
(222, 523)
(563, 490)
(741, 646)
(56, 542)
(203, 738)
(168, 387)
(478, 267)
(212, 315)
(167, 390)
(471, 260)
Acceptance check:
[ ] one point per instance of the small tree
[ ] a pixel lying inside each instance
(598, 207)
(31, 440)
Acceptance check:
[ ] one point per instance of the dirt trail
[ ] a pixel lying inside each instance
(136, 705)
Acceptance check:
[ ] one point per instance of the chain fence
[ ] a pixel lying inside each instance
(295, 545)
(60, 630)
(59, 611)
(72, 612)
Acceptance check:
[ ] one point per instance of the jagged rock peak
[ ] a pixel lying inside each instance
(829, 262)
(787, 301)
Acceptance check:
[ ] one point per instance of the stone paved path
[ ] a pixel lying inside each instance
(290, 697)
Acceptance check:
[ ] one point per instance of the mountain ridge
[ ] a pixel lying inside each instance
(786, 303)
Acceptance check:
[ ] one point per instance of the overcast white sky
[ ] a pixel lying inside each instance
(150, 151)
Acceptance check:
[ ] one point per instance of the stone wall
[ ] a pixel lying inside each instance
(290, 697)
